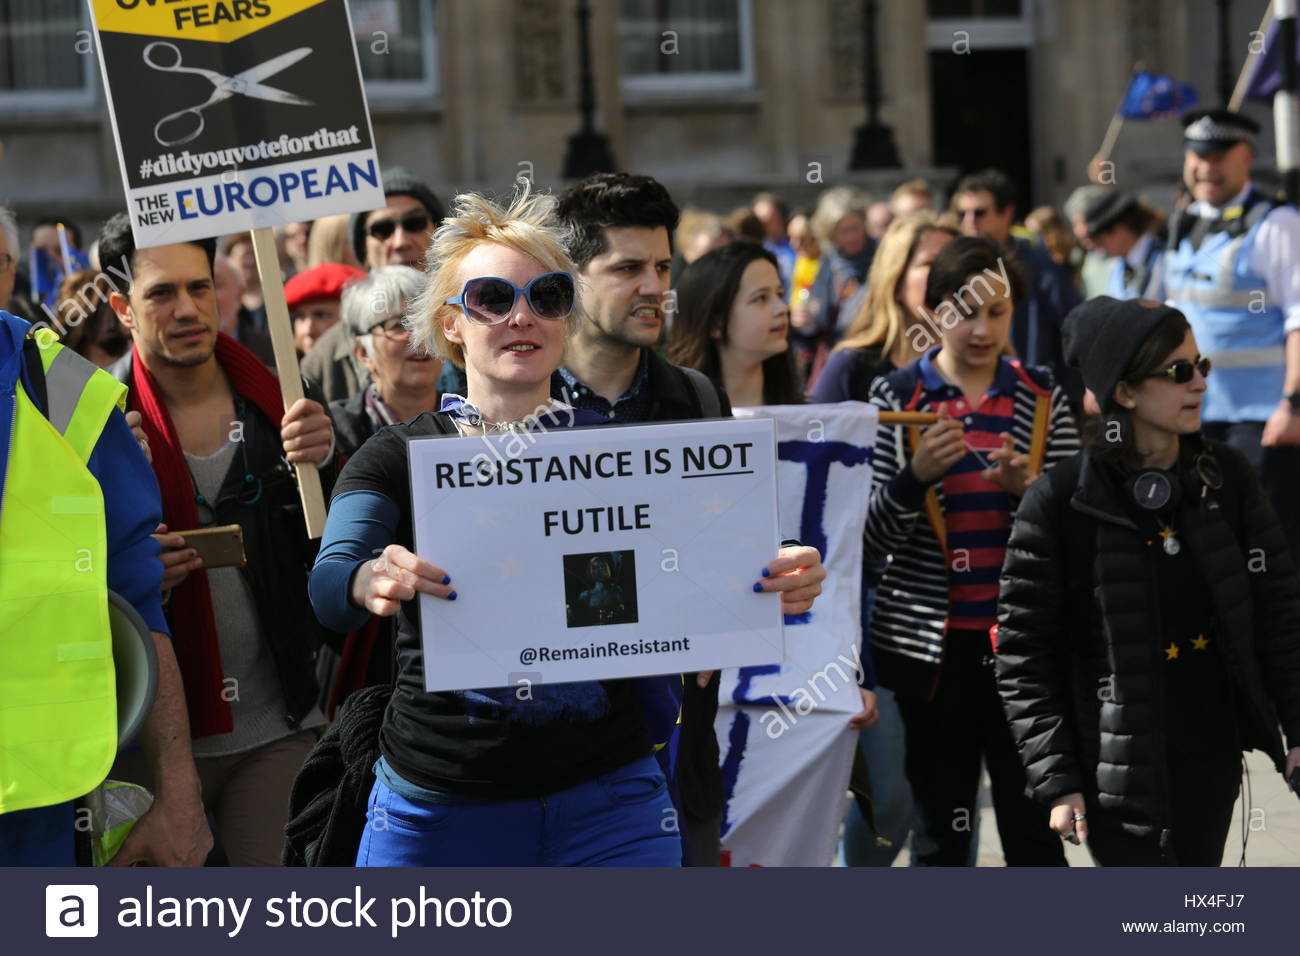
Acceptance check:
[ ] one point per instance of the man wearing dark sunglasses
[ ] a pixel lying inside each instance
(985, 202)
(400, 233)
(1230, 267)
(622, 245)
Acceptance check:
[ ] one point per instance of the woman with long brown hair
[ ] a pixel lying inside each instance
(733, 325)
(881, 337)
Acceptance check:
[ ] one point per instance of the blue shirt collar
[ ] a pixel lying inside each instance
(560, 415)
(638, 380)
(931, 380)
(1004, 383)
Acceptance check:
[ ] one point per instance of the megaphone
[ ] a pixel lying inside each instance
(135, 663)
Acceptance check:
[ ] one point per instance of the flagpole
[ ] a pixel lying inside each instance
(1112, 134)
(1286, 107)
(1243, 78)
(1112, 131)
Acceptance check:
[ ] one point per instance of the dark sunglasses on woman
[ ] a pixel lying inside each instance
(488, 300)
(381, 229)
(1181, 370)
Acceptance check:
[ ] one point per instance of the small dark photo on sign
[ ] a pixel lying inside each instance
(600, 588)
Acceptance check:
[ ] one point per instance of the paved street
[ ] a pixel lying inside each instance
(1273, 837)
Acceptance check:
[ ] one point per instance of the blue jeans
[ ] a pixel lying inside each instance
(891, 796)
(621, 818)
(41, 836)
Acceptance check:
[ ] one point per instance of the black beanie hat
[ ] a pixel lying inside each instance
(1101, 335)
(398, 181)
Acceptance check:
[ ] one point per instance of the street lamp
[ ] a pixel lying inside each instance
(873, 142)
(588, 150)
(1225, 52)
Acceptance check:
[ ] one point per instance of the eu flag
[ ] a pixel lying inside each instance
(48, 273)
(1266, 77)
(1151, 96)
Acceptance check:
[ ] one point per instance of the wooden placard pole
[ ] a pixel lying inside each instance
(286, 366)
(908, 418)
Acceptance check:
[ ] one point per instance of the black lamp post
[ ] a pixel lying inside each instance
(873, 142)
(588, 150)
(1225, 78)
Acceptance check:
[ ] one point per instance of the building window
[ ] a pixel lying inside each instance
(46, 54)
(686, 46)
(963, 26)
(397, 43)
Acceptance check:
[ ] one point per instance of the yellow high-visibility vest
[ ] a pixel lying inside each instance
(58, 709)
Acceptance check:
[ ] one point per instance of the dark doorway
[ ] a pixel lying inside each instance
(981, 114)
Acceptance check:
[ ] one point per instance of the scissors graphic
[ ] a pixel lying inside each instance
(247, 83)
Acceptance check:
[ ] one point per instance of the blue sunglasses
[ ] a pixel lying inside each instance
(490, 301)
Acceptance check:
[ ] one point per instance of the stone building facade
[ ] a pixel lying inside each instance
(719, 98)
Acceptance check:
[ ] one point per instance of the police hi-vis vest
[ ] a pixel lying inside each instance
(58, 711)
(1236, 322)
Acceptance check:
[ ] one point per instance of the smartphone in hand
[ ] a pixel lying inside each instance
(219, 547)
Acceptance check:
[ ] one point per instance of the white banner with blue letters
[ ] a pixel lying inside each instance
(783, 733)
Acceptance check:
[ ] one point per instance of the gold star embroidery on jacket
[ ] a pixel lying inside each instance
(1200, 642)
(1171, 652)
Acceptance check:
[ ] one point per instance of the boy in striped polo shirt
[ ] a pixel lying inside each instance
(941, 508)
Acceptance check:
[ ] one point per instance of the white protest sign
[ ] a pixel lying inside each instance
(783, 733)
(235, 116)
(587, 554)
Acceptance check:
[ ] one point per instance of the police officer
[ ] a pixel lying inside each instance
(1231, 268)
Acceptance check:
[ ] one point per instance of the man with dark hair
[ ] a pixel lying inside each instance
(219, 433)
(985, 204)
(1121, 227)
(622, 228)
(117, 246)
(398, 234)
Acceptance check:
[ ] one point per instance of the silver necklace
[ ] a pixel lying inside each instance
(478, 421)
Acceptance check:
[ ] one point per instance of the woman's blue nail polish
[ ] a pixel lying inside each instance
(767, 573)
(758, 586)
(446, 579)
(451, 596)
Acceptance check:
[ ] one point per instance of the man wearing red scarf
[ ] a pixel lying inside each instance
(221, 442)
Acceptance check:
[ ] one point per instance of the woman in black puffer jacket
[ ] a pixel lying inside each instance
(1149, 625)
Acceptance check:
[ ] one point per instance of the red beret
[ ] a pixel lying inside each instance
(325, 281)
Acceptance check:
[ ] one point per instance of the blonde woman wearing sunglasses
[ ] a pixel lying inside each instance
(481, 777)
